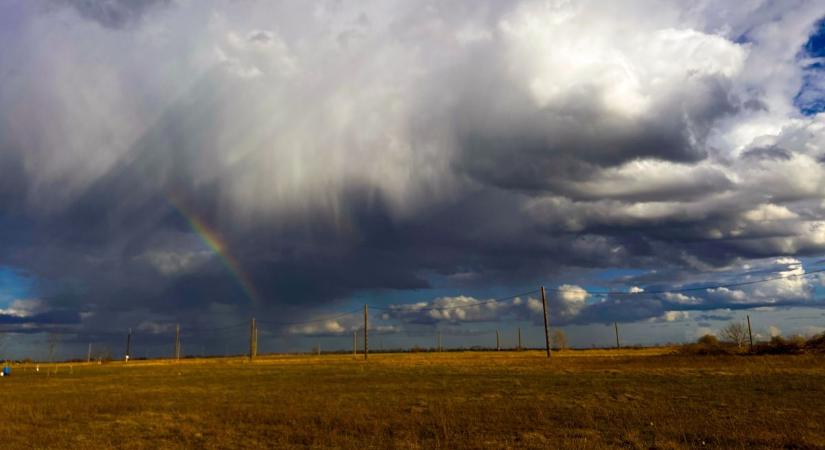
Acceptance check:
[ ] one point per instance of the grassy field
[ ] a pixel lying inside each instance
(580, 399)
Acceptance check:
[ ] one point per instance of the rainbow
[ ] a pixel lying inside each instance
(213, 240)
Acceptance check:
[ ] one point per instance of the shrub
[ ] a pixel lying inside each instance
(709, 340)
(705, 345)
(816, 344)
(781, 346)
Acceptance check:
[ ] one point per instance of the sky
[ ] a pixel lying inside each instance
(658, 164)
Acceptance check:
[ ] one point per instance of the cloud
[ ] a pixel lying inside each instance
(570, 299)
(153, 327)
(24, 308)
(451, 309)
(728, 295)
(564, 304)
(257, 54)
(327, 327)
(32, 314)
(113, 13)
(572, 103)
(674, 316)
(172, 263)
(332, 150)
(339, 327)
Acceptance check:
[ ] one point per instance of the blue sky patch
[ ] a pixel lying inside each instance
(811, 97)
(13, 285)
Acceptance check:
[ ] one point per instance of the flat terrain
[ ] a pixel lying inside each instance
(580, 399)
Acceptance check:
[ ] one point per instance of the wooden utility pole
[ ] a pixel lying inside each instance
(89, 353)
(128, 345)
(616, 327)
(366, 333)
(498, 340)
(519, 339)
(253, 341)
(546, 326)
(750, 334)
(177, 342)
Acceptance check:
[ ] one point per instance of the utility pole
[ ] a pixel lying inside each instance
(616, 327)
(498, 340)
(750, 334)
(546, 327)
(89, 353)
(519, 339)
(366, 333)
(253, 331)
(177, 342)
(128, 345)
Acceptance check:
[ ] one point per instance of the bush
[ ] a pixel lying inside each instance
(781, 346)
(705, 345)
(816, 344)
(709, 340)
(778, 345)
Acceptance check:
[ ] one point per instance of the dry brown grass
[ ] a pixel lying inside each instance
(581, 399)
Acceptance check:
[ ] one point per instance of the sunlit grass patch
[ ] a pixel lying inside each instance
(581, 399)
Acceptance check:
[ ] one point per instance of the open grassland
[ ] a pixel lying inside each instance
(580, 399)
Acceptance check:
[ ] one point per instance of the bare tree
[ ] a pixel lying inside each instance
(559, 340)
(103, 353)
(736, 332)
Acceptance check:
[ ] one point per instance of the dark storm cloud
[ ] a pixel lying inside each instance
(507, 141)
(715, 317)
(46, 318)
(768, 153)
(113, 13)
(636, 309)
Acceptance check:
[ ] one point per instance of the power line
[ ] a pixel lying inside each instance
(444, 308)
(310, 321)
(412, 307)
(211, 330)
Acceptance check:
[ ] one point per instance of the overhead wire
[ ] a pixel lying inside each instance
(304, 322)
(445, 308)
(692, 288)
(185, 330)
